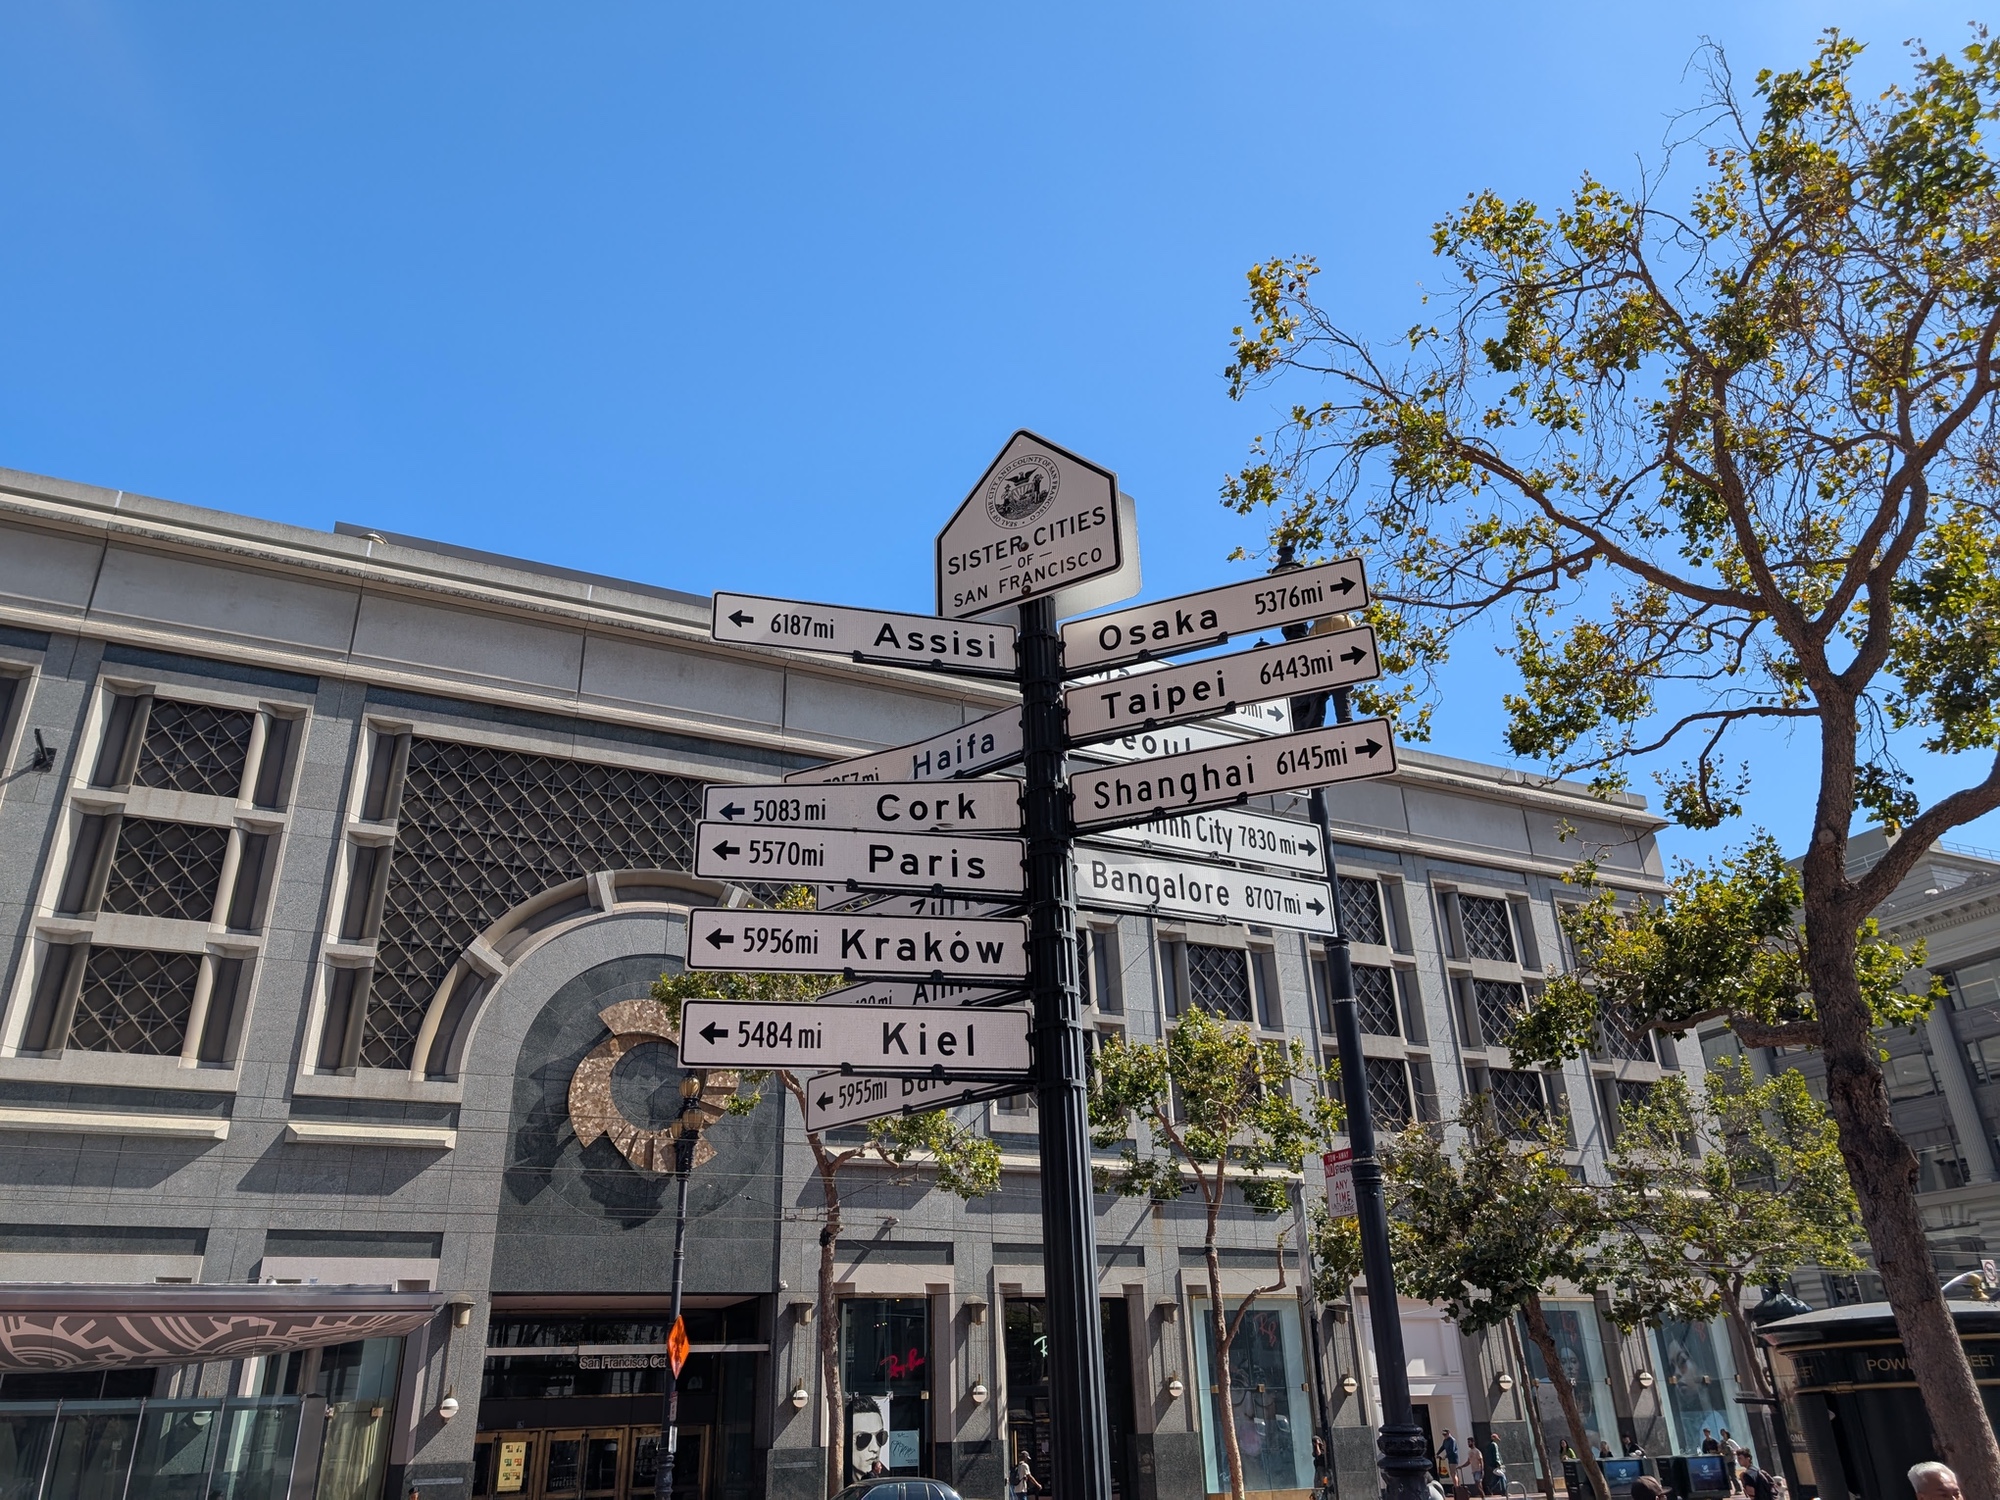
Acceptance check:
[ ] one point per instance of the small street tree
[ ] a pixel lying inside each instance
(1487, 1229)
(1213, 1104)
(1712, 465)
(1715, 1197)
(965, 1163)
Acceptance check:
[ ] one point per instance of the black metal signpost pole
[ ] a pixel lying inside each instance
(670, 1414)
(1082, 1456)
(1405, 1456)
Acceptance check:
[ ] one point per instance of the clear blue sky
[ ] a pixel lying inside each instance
(735, 297)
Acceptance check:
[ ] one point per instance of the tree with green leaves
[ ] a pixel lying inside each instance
(965, 1163)
(1722, 464)
(1213, 1104)
(1711, 1199)
(1488, 1229)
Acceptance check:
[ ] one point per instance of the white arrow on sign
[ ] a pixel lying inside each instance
(1212, 616)
(809, 942)
(1040, 521)
(1202, 689)
(945, 1043)
(1232, 833)
(911, 806)
(1211, 778)
(867, 634)
(834, 1099)
(1116, 880)
(916, 992)
(983, 745)
(872, 858)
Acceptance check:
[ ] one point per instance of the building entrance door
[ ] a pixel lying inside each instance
(594, 1463)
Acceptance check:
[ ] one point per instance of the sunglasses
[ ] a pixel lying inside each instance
(866, 1440)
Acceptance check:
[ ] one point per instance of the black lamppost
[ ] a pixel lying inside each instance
(1405, 1455)
(687, 1133)
(1778, 1303)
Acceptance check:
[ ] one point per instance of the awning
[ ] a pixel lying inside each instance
(62, 1326)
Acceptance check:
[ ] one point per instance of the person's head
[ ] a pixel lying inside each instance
(1706, 1433)
(1725, 1432)
(1934, 1481)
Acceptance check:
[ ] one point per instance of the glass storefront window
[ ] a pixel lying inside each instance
(1697, 1381)
(885, 1348)
(1573, 1327)
(359, 1383)
(1271, 1406)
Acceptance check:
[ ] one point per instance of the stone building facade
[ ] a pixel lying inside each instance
(323, 856)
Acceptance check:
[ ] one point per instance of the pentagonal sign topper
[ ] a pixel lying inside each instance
(1040, 521)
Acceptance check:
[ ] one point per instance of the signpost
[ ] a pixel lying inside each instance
(1339, 1167)
(963, 807)
(1232, 833)
(1210, 778)
(1199, 690)
(856, 943)
(1040, 522)
(864, 634)
(1118, 880)
(923, 1023)
(1192, 621)
(836, 1099)
(970, 750)
(861, 1038)
(944, 862)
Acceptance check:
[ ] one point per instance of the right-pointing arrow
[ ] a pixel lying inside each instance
(1353, 655)
(1369, 748)
(1346, 585)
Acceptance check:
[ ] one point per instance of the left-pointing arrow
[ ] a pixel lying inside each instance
(713, 1033)
(739, 618)
(717, 939)
(726, 850)
(731, 812)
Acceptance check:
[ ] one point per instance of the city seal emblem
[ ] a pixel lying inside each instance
(1022, 490)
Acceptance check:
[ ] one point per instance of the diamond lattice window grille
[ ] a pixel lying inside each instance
(1388, 1092)
(1375, 1000)
(1488, 931)
(166, 870)
(191, 747)
(1219, 980)
(1361, 912)
(134, 1001)
(1619, 1038)
(1500, 1005)
(1520, 1106)
(481, 830)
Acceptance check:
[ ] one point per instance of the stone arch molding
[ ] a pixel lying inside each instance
(457, 1010)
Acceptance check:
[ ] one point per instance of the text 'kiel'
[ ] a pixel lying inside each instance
(836, 1099)
(970, 750)
(1191, 621)
(863, 634)
(871, 860)
(945, 1043)
(1146, 700)
(806, 942)
(912, 806)
(1210, 778)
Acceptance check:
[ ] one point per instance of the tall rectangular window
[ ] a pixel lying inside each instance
(1361, 918)
(1264, 976)
(1219, 980)
(1489, 928)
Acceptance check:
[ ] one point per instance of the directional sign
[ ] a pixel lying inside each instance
(835, 1099)
(1191, 621)
(1116, 880)
(917, 992)
(864, 634)
(902, 904)
(810, 942)
(873, 858)
(1211, 778)
(1150, 700)
(1040, 521)
(950, 1043)
(1232, 833)
(983, 745)
(963, 807)
(1148, 743)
